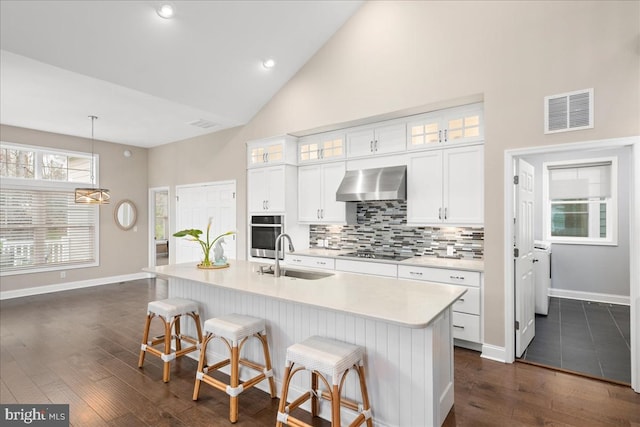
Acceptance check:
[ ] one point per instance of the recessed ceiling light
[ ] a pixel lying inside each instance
(269, 63)
(166, 10)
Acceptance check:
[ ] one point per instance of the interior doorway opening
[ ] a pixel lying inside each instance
(632, 145)
(159, 226)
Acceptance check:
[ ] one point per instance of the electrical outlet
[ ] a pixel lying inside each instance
(63, 274)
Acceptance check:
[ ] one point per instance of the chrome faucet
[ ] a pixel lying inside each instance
(276, 271)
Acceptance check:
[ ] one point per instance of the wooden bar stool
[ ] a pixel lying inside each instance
(169, 311)
(323, 356)
(234, 330)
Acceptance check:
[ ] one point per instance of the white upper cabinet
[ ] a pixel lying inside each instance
(267, 189)
(321, 147)
(317, 186)
(451, 126)
(379, 139)
(271, 151)
(446, 187)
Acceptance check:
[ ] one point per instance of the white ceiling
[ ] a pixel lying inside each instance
(148, 78)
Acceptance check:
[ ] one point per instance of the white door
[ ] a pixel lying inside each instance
(424, 188)
(523, 258)
(332, 211)
(275, 188)
(309, 195)
(463, 189)
(197, 203)
(360, 143)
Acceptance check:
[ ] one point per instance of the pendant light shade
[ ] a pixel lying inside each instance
(93, 195)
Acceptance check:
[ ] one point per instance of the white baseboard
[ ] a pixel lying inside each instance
(493, 352)
(590, 296)
(37, 290)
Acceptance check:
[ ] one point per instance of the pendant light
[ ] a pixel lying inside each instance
(92, 196)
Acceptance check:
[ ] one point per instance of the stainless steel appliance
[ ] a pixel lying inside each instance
(264, 229)
(388, 183)
(373, 255)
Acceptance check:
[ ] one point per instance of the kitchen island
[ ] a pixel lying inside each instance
(404, 326)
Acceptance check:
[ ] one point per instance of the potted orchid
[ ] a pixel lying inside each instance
(206, 245)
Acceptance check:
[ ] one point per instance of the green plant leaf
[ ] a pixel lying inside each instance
(189, 232)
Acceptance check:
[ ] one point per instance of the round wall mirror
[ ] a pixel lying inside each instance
(125, 214)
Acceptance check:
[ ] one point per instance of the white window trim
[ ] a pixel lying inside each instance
(612, 206)
(37, 179)
(38, 184)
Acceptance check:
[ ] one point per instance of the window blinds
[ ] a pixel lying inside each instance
(45, 229)
(580, 181)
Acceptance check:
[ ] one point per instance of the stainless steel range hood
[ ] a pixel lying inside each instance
(388, 183)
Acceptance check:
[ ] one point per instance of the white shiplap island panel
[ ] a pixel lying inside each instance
(405, 327)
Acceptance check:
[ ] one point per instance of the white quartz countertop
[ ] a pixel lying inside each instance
(403, 302)
(419, 261)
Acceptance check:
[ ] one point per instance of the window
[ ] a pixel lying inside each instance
(41, 227)
(580, 201)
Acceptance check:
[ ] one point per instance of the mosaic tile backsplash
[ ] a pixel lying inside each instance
(382, 228)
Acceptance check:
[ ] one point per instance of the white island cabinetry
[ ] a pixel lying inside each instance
(467, 316)
(404, 327)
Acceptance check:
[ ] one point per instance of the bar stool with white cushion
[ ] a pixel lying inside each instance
(324, 357)
(170, 311)
(234, 330)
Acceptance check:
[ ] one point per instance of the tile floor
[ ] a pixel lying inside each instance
(583, 336)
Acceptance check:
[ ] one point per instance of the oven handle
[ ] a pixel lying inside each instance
(267, 225)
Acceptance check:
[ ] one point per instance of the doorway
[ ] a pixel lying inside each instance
(633, 282)
(159, 226)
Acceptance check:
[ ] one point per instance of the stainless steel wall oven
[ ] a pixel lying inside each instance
(264, 229)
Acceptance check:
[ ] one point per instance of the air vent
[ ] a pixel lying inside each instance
(568, 111)
(204, 124)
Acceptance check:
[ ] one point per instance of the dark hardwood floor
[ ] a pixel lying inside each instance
(81, 347)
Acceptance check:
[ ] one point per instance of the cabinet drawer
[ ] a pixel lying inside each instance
(469, 302)
(466, 327)
(376, 269)
(442, 275)
(310, 261)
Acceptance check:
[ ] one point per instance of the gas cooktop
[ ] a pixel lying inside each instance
(373, 255)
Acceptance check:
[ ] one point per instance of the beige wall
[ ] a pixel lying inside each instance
(215, 157)
(395, 56)
(121, 252)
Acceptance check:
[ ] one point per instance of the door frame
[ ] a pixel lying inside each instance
(152, 221)
(510, 156)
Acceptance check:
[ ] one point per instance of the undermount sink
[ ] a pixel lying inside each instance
(300, 274)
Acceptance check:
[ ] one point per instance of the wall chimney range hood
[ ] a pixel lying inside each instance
(389, 183)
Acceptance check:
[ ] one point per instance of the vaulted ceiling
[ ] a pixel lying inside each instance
(152, 80)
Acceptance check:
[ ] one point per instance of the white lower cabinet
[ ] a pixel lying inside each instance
(367, 267)
(310, 261)
(467, 311)
(466, 327)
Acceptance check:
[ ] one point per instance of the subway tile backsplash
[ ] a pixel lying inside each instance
(382, 227)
